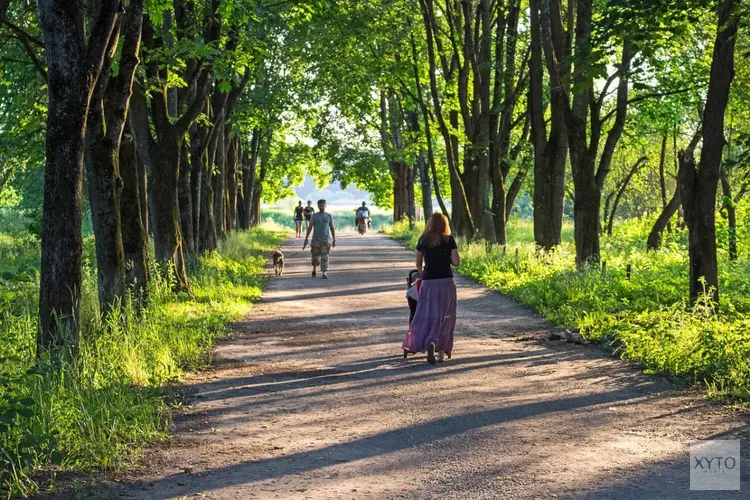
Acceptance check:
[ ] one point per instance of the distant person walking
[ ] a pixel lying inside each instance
(324, 237)
(298, 218)
(309, 211)
(432, 328)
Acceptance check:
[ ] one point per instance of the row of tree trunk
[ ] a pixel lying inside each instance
(569, 123)
(142, 176)
(697, 183)
(484, 77)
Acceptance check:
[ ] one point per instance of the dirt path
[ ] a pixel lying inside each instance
(313, 400)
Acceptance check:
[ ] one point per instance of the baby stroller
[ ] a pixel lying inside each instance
(413, 282)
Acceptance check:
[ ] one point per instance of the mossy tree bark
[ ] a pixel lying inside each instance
(74, 62)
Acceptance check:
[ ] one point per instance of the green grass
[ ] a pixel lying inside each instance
(647, 319)
(99, 412)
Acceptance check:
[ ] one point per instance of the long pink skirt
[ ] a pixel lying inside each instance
(435, 318)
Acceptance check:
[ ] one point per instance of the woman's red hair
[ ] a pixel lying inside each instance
(436, 230)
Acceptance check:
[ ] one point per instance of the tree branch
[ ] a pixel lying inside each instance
(101, 34)
(615, 132)
(196, 107)
(652, 95)
(122, 88)
(605, 90)
(34, 59)
(20, 32)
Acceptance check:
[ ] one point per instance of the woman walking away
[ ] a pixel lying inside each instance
(309, 212)
(435, 318)
(298, 211)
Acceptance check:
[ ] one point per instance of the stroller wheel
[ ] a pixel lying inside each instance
(406, 353)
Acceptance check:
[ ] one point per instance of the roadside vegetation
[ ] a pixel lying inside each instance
(101, 409)
(647, 318)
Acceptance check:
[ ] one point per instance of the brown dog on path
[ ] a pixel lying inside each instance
(278, 262)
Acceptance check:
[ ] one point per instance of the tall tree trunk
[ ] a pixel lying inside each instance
(586, 203)
(134, 236)
(260, 177)
(106, 122)
(484, 180)
(257, 195)
(197, 162)
(424, 180)
(461, 219)
(167, 235)
(165, 148)
(421, 166)
(139, 125)
(232, 184)
(662, 177)
(583, 120)
(104, 187)
(587, 177)
(728, 204)
(208, 239)
(413, 173)
(698, 186)
(241, 205)
(392, 117)
(428, 132)
(402, 191)
(550, 153)
(250, 162)
(74, 64)
(142, 180)
(506, 94)
(185, 201)
(219, 180)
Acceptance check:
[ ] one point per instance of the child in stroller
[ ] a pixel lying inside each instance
(413, 282)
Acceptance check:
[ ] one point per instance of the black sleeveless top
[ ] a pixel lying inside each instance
(437, 260)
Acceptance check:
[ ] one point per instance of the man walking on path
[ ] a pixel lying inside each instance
(323, 230)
